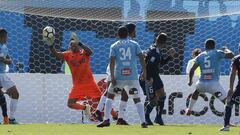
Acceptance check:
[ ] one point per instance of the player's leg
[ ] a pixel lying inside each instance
(12, 91)
(234, 99)
(160, 96)
(73, 104)
(140, 110)
(108, 105)
(75, 95)
(100, 106)
(200, 87)
(3, 105)
(160, 99)
(135, 92)
(192, 102)
(150, 101)
(122, 108)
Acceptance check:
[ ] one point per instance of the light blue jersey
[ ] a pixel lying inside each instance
(3, 53)
(209, 62)
(126, 52)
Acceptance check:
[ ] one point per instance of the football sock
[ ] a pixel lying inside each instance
(122, 109)
(191, 104)
(3, 104)
(227, 115)
(101, 103)
(160, 106)
(148, 107)
(140, 110)
(108, 108)
(13, 108)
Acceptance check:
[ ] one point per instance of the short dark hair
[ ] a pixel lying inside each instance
(162, 38)
(3, 31)
(196, 51)
(122, 32)
(210, 43)
(131, 27)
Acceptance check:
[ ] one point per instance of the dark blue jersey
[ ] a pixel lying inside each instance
(154, 59)
(236, 64)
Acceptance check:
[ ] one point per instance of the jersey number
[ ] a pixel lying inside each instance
(126, 53)
(207, 62)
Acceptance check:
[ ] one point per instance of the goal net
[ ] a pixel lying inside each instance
(43, 85)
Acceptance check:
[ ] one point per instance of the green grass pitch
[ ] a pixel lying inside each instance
(91, 129)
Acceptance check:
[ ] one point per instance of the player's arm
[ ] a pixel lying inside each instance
(112, 67)
(171, 52)
(143, 64)
(6, 60)
(189, 65)
(228, 53)
(87, 50)
(57, 54)
(191, 74)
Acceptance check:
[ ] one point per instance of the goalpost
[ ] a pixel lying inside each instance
(44, 87)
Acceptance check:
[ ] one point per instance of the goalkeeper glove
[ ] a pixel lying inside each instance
(74, 37)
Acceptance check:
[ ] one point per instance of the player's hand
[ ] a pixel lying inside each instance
(223, 48)
(2, 59)
(143, 76)
(49, 41)
(113, 81)
(74, 37)
(190, 83)
(171, 52)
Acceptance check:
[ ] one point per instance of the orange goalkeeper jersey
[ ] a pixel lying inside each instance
(79, 66)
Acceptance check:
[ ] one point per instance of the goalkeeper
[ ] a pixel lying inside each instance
(155, 89)
(84, 85)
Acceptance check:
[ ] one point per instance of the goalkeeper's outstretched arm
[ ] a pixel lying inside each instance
(50, 42)
(57, 54)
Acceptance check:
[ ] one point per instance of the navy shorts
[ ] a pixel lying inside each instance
(235, 99)
(156, 85)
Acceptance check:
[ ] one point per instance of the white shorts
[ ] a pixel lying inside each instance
(212, 87)
(108, 79)
(126, 85)
(6, 82)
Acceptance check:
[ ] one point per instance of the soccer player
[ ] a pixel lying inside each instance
(5, 81)
(78, 58)
(124, 74)
(155, 91)
(209, 62)
(124, 97)
(233, 96)
(102, 102)
(190, 63)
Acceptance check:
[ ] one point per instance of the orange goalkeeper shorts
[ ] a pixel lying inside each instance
(81, 91)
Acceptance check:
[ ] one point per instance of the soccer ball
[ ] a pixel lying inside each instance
(48, 32)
